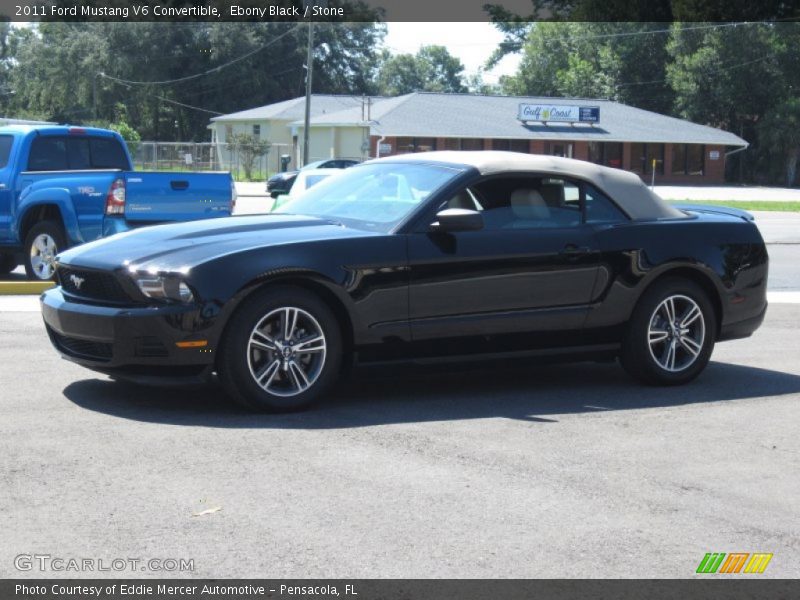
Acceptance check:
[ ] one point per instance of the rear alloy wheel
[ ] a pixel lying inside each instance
(671, 334)
(43, 242)
(281, 351)
(676, 333)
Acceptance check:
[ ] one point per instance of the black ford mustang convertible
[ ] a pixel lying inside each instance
(421, 256)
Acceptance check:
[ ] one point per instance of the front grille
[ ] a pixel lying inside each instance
(81, 348)
(150, 347)
(95, 285)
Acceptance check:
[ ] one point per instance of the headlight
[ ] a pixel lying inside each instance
(164, 287)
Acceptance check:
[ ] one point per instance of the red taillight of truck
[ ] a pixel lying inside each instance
(115, 199)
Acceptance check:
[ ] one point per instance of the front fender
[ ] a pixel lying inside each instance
(58, 197)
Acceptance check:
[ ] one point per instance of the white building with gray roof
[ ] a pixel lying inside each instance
(600, 131)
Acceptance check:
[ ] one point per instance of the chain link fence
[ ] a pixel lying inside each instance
(205, 156)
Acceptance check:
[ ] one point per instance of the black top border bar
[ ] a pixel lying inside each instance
(399, 10)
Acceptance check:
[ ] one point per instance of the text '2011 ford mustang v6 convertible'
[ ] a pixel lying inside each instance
(427, 255)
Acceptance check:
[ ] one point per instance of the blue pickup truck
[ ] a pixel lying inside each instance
(61, 186)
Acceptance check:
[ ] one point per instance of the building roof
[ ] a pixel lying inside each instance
(626, 188)
(423, 114)
(291, 110)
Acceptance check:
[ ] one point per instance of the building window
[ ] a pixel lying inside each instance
(606, 153)
(256, 131)
(563, 149)
(466, 144)
(687, 159)
(228, 132)
(679, 159)
(407, 145)
(452, 144)
(520, 146)
(643, 155)
(511, 145)
(424, 144)
(695, 159)
(471, 144)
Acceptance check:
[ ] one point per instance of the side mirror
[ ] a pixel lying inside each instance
(457, 219)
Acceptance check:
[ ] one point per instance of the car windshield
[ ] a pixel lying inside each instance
(375, 196)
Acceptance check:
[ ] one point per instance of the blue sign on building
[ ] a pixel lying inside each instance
(589, 114)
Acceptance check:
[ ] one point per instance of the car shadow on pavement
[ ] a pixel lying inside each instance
(378, 396)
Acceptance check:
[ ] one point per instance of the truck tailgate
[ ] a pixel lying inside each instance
(160, 197)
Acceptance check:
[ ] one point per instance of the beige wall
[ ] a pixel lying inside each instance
(276, 132)
(333, 142)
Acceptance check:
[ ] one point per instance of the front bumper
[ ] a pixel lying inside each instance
(136, 343)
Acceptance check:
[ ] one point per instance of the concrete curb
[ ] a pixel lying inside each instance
(21, 288)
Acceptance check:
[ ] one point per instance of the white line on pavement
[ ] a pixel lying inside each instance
(19, 303)
(783, 297)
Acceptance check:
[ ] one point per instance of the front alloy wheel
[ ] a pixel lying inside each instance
(281, 350)
(43, 242)
(286, 352)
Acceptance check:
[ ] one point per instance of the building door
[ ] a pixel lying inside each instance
(563, 149)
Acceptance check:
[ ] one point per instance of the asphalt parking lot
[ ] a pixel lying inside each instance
(499, 471)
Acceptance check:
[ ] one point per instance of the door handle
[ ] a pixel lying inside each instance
(575, 250)
(179, 184)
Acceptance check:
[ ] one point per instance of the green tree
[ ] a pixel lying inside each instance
(618, 61)
(431, 69)
(731, 78)
(248, 149)
(779, 133)
(75, 72)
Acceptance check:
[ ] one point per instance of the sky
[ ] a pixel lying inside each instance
(473, 43)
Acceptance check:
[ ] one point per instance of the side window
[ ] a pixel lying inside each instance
(466, 198)
(48, 154)
(6, 141)
(107, 153)
(529, 203)
(600, 209)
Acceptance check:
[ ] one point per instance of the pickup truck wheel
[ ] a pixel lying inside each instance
(43, 242)
(281, 351)
(7, 263)
(671, 334)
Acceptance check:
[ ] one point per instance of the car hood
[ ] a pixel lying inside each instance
(183, 245)
(282, 176)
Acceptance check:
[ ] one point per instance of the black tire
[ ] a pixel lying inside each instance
(239, 363)
(638, 355)
(55, 232)
(8, 262)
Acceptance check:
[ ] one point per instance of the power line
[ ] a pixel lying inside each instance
(232, 86)
(168, 100)
(209, 71)
(516, 46)
(722, 70)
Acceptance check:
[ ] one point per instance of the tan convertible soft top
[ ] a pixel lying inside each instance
(625, 188)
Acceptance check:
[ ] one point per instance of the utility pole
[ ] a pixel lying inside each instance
(94, 90)
(309, 75)
(94, 93)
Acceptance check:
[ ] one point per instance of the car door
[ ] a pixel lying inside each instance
(530, 269)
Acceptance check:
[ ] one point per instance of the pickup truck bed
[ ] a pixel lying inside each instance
(63, 186)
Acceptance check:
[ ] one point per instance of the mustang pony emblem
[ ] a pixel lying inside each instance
(77, 281)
